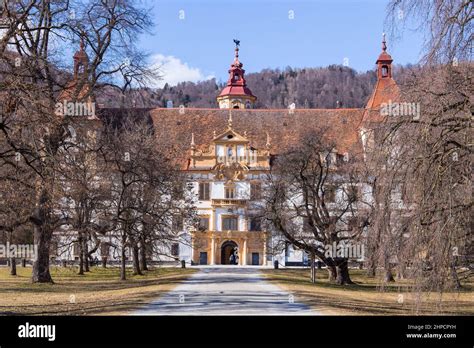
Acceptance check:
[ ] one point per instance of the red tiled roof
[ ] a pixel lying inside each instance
(385, 89)
(236, 90)
(339, 125)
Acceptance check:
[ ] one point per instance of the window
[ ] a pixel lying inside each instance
(353, 193)
(203, 224)
(54, 249)
(104, 249)
(230, 223)
(255, 224)
(330, 194)
(177, 223)
(353, 224)
(306, 225)
(384, 71)
(255, 190)
(204, 191)
(229, 192)
(75, 249)
(175, 249)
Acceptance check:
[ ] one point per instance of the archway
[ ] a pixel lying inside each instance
(227, 249)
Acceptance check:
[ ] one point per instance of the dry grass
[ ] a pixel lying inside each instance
(99, 292)
(368, 296)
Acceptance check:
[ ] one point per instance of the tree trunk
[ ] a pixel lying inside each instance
(388, 276)
(42, 237)
(13, 266)
(371, 269)
(454, 275)
(401, 271)
(86, 256)
(332, 273)
(136, 261)
(143, 264)
(104, 261)
(80, 243)
(313, 269)
(40, 273)
(122, 265)
(23, 263)
(342, 272)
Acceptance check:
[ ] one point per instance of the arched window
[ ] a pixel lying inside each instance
(384, 70)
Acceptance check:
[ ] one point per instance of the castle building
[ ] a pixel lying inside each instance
(227, 152)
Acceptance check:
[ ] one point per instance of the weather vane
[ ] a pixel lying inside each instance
(237, 42)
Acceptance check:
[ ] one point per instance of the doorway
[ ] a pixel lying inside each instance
(255, 259)
(203, 258)
(229, 253)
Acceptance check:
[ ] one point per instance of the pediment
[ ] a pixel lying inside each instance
(230, 136)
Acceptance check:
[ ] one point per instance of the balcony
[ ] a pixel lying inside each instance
(229, 202)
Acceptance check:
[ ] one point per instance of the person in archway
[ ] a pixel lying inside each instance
(236, 257)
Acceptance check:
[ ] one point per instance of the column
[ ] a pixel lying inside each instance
(244, 253)
(193, 245)
(213, 248)
(264, 261)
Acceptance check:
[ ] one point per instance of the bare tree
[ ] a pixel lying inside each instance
(446, 24)
(424, 158)
(315, 199)
(39, 31)
(147, 190)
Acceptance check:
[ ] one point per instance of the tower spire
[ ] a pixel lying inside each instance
(81, 60)
(384, 62)
(237, 44)
(236, 95)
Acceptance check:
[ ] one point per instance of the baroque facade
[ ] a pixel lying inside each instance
(227, 153)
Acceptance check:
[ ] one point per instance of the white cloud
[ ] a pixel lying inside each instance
(172, 71)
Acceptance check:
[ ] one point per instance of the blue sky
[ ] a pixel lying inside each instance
(322, 32)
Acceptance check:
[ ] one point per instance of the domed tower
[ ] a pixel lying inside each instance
(236, 95)
(386, 88)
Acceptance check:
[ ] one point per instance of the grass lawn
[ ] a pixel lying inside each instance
(98, 292)
(367, 296)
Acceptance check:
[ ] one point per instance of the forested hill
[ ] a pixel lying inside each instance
(274, 88)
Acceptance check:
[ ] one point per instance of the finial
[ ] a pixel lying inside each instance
(193, 144)
(214, 134)
(384, 43)
(237, 44)
(229, 121)
(268, 141)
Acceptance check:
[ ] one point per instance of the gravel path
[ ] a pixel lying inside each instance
(227, 290)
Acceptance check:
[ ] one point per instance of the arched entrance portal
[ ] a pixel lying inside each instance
(228, 249)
